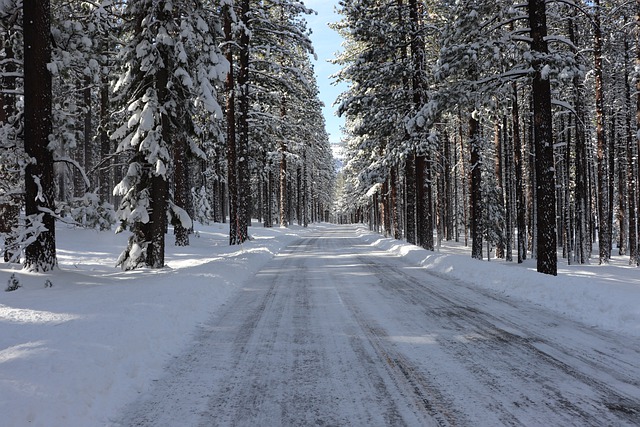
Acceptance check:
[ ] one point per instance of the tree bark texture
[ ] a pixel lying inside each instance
(546, 244)
(476, 187)
(39, 178)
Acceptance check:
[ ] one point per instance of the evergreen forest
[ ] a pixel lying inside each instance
(511, 127)
(140, 114)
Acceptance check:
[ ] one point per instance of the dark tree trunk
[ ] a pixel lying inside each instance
(283, 173)
(637, 145)
(424, 209)
(244, 186)
(105, 176)
(604, 233)
(305, 197)
(299, 195)
(465, 181)
(632, 163)
(393, 183)
(232, 185)
(159, 190)
(449, 198)
(88, 131)
(547, 261)
(476, 188)
(386, 212)
(181, 188)
(582, 210)
(497, 141)
(508, 190)
(521, 202)
(267, 195)
(621, 154)
(39, 180)
(410, 191)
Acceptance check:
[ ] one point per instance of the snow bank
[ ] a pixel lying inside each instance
(607, 297)
(73, 354)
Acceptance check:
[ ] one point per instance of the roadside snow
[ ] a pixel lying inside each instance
(605, 296)
(74, 354)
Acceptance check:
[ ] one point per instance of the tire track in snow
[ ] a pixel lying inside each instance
(333, 333)
(285, 352)
(541, 367)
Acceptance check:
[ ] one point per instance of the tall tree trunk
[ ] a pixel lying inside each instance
(268, 195)
(547, 261)
(39, 180)
(476, 187)
(449, 197)
(423, 181)
(244, 186)
(283, 183)
(88, 129)
(393, 183)
(410, 191)
(568, 217)
(497, 142)
(582, 210)
(299, 194)
(386, 212)
(464, 180)
(508, 189)
(521, 203)
(105, 176)
(623, 227)
(181, 187)
(232, 185)
(637, 147)
(424, 203)
(632, 163)
(604, 233)
(305, 198)
(159, 192)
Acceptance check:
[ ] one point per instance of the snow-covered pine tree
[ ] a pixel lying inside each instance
(279, 50)
(80, 32)
(12, 155)
(376, 63)
(157, 85)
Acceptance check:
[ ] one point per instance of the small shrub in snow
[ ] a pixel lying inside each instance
(13, 284)
(89, 212)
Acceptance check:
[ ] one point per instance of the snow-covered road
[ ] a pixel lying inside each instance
(331, 333)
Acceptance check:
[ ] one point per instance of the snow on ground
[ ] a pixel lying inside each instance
(605, 296)
(75, 353)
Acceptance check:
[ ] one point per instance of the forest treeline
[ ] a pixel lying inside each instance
(511, 126)
(144, 113)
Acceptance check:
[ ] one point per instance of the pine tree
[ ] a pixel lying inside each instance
(12, 155)
(160, 86)
(40, 254)
(545, 175)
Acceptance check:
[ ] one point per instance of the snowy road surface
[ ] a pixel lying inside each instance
(333, 334)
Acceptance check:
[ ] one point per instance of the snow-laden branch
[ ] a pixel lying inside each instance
(76, 165)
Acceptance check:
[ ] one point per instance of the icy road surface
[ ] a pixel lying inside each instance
(332, 333)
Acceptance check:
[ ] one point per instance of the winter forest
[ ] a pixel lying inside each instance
(140, 114)
(507, 125)
(510, 126)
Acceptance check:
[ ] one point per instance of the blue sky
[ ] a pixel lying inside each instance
(326, 42)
